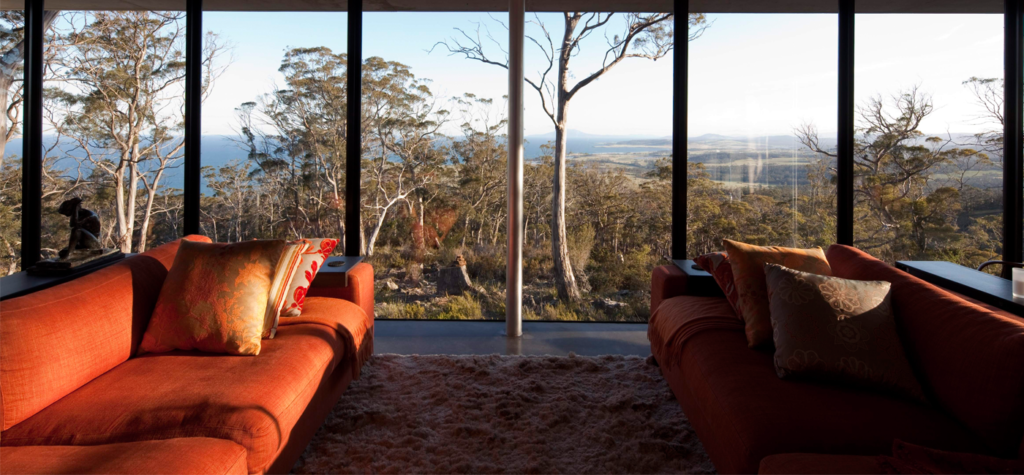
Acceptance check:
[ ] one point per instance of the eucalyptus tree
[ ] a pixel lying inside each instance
(480, 157)
(641, 35)
(898, 213)
(117, 99)
(403, 150)
(296, 138)
(12, 58)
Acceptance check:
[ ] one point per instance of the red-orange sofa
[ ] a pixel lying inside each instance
(969, 357)
(77, 399)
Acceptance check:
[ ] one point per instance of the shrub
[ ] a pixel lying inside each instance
(399, 310)
(461, 307)
(486, 263)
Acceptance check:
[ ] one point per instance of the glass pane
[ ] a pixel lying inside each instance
(762, 125)
(928, 169)
(434, 165)
(605, 145)
(113, 120)
(274, 127)
(12, 24)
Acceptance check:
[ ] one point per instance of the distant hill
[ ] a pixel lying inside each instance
(577, 134)
(218, 150)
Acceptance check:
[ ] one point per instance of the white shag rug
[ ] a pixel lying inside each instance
(506, 414)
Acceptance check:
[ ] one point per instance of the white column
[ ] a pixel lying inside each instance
(514, 269)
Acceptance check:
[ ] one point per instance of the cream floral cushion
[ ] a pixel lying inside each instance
(312, 258)
(837, 330)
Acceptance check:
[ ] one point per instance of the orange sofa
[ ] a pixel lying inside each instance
(969, 358)
(76, 399)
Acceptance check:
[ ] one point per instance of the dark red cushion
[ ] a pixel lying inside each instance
(969, 359)
(717, 264)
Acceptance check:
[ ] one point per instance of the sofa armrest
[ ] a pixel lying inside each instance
(666, 282)
(672, 281)
(358, 291)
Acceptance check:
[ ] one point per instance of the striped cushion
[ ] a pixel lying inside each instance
(291, 260)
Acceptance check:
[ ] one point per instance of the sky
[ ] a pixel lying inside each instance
(750, 74)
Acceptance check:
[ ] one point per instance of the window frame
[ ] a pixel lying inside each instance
(1013, 143)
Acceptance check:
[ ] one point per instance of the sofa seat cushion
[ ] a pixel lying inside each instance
(187, 456)
(743, 412)
(253, 401)
(819, 463)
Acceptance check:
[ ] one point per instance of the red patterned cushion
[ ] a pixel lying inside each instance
(214, 298)
(908, 458)
(718, 265)
(312, 258)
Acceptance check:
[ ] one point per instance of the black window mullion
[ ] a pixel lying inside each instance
(1013, 156)
(32, 139)
(845, 126)
(353, 144)
(680, 60)
(193, 114)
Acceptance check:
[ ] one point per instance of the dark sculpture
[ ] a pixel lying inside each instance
(85, 228)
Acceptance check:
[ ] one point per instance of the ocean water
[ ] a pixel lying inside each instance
(219, 150)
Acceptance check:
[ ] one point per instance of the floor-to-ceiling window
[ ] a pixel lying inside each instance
(434, 164)
(762, 131)
(113, 124)
(597, 187)
(929, 132)
(274, 125)
(12, 32)
(761, 142)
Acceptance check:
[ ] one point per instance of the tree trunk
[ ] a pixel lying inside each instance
(119, 208)
(148, 212)
(375, 232)
(133, 194)
(6, 82)
(565, 281)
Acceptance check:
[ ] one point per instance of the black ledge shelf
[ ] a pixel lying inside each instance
(993, 290)
(698, 281)
(334, 272)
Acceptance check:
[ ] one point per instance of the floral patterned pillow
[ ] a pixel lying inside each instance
(748, 274)
(717, 264)
(214, 298)
(312, 259)
(837, 330)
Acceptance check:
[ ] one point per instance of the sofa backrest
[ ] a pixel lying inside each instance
(58, 339)
(970, 359)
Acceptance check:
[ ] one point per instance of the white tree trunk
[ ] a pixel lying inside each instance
(151, 193)
(565, 281)
(119, 209)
